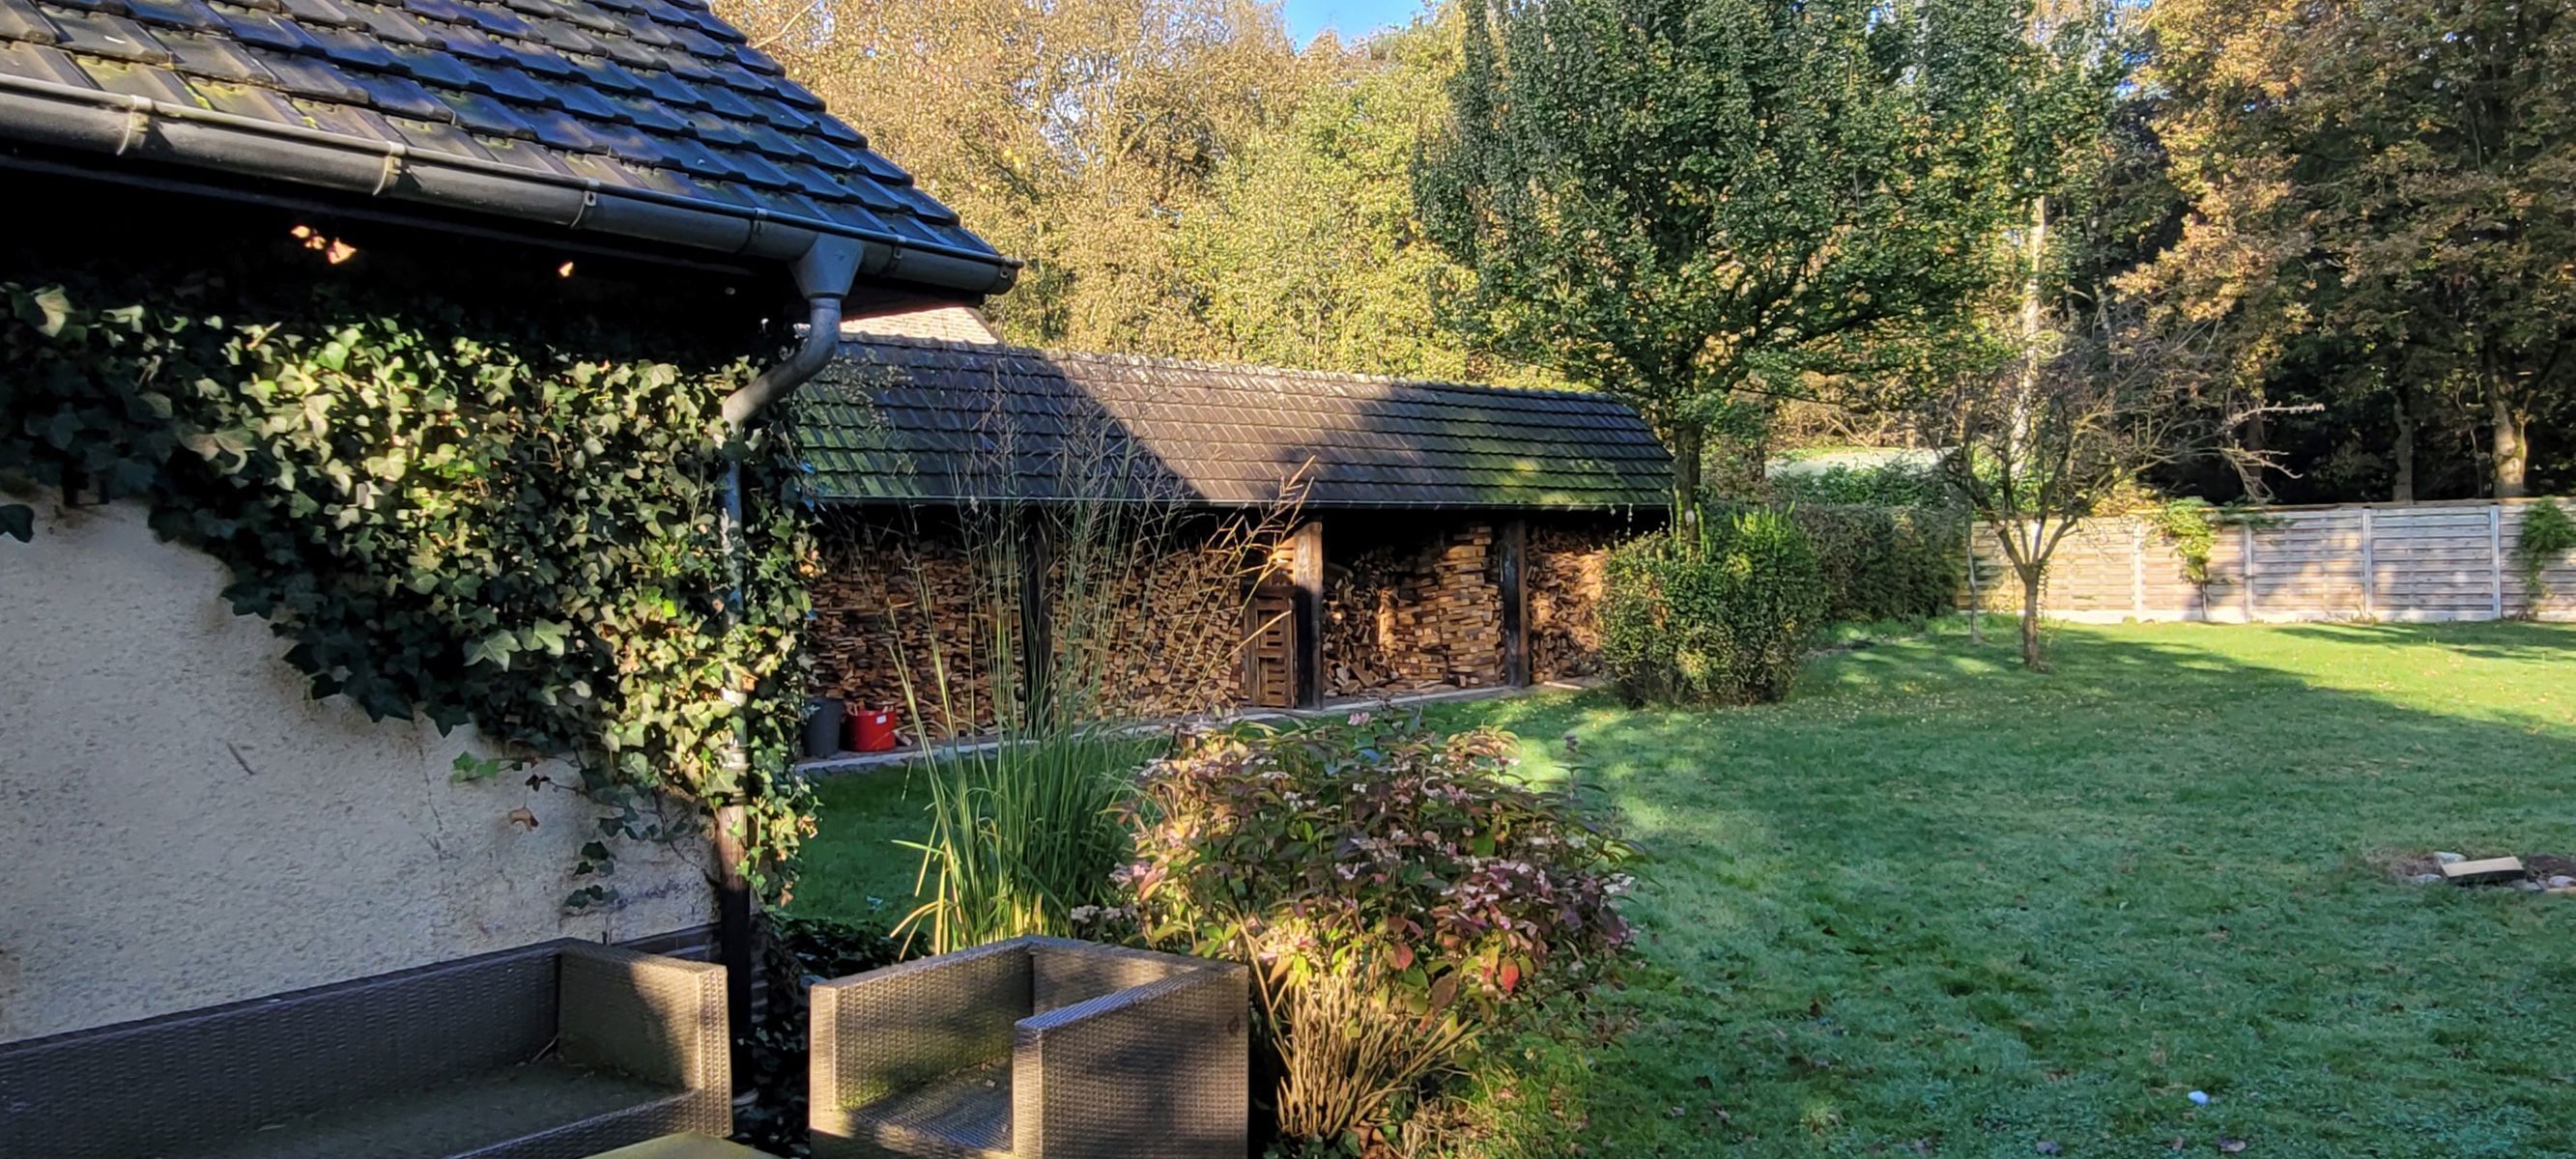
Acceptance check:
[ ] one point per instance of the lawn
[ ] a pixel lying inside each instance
(1936, 905)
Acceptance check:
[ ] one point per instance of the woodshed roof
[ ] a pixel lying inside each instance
(916, 420)
(651, 119)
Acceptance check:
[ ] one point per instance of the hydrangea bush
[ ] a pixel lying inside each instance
(1405, 881)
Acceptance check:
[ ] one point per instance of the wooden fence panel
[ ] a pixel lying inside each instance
(2435, 561)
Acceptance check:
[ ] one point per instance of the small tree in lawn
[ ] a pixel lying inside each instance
(1678, 200)
(2033, 447)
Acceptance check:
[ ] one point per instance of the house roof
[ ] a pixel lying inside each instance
(924, 421)
(650, 119)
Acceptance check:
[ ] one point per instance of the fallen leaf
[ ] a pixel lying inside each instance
(521, 816)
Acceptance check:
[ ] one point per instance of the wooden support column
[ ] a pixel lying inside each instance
(1037, 629)
(1513, 540)
(1306, 571)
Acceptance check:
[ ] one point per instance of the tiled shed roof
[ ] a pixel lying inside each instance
(912, 420)
(626, 112)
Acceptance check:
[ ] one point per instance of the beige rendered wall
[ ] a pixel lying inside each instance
(182, 825)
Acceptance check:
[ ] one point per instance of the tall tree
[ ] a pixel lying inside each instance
(1309, 252)
(2383, 197)
(1679, 200)
(1073, 134)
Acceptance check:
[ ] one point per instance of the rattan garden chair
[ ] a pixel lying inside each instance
(553, 1051)
(1033, 1048)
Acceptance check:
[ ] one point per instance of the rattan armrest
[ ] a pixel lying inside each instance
(658, 1019)
(878, 1032)
(1163, 1069)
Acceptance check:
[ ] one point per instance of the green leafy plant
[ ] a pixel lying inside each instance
(2190, 525)
(1022, 834)
(463, 512)
(1882, 562)
(1394, 890)
(1721, 617)
(1887, 485)
(2547, 533)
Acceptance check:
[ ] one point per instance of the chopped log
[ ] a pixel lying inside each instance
(2481, 872)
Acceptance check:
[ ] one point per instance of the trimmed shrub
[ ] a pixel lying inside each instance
(1395, 892)
(1886, 563)
(1888, 485)
(1718, 618)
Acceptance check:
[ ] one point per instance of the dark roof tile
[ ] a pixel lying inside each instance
(251, 101)
(395, 26)
(114, 37)
(431, 67)
(355, 49)
(438, 137)
(482, 114)
(307, 77)
(139, 80)
(323, 13)
(656, 95)
(202, 56)
(189, 14)
(939, 422)
(398, 96)
(20, 23)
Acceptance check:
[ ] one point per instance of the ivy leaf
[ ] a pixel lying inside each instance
(495, 648)
(18, 522)
(52, 308)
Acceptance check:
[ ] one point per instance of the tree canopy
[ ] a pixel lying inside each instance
(2346, 223)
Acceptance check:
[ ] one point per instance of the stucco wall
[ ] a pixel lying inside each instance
(181, 825)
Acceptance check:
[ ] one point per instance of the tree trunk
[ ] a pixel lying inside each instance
(2030, 654)
(1687, 439)
(2028, 387)
(2402, 490)
(2512, 438)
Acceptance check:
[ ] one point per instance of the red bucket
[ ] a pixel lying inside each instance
(871, 729)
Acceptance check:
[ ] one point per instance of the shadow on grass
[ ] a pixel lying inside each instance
(1935, 904)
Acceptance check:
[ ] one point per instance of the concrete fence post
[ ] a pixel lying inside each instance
(2369, 572)
(2247, 540)
(2495, 558)
(2137, 570)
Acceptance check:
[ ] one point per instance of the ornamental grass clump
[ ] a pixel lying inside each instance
(1721, 617)
(1395, 891)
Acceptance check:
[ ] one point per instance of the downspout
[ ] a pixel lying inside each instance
(823, 276)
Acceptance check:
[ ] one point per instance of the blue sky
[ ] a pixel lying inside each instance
(1349, 19)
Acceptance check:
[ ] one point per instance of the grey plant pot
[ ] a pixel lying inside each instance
(824, 718)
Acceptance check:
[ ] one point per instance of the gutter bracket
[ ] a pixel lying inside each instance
(138, 124)
(393, 168)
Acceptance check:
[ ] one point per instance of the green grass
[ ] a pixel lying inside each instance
(1934, 904)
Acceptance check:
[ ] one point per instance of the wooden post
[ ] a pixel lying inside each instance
(1306, 570)
(2248, 569)
(2369, 572)
(1037, 631)
(2495, 555)
(1514, 543)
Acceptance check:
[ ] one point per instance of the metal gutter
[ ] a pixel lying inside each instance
(123, 125)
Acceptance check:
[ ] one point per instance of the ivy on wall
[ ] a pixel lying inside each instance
(469, 513)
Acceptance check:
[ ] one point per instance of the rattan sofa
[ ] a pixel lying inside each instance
(552, 1051)
(1033, 1048)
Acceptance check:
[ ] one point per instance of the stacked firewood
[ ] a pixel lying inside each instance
(1566, 567)
(887, 612)
(1400, 619)
(1173, 643)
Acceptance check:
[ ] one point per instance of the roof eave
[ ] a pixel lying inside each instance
(122, 125)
